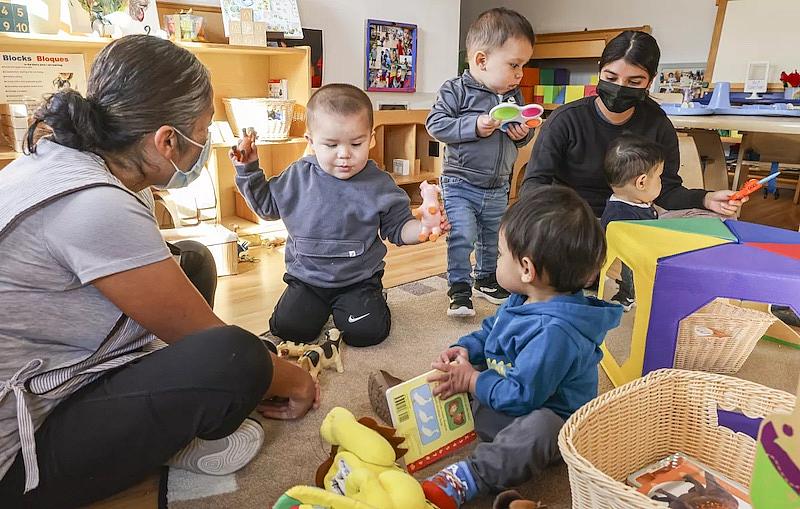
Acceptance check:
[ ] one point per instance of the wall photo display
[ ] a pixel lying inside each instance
(391, 56)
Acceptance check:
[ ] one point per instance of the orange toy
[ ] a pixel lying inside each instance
(752, 185)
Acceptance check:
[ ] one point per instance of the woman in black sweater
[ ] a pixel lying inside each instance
(572, 144)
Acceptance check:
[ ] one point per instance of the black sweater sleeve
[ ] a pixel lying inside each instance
(547, 155)
(673, 195)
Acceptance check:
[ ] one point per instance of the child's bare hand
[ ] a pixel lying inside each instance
(486, 126)
(451, 354)
(245, 151)
(454, 378)
(444, 224)
(517, 131)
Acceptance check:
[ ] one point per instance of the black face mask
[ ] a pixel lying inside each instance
(618, 98)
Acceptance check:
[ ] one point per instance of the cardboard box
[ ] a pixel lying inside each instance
(218, 239)
(530, 77)
(573, 93)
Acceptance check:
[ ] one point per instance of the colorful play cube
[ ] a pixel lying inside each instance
(594, 79)
(589, 90)
(561, 77)
(573, 93)
(530, 77)
(560, 94)
(680, 265)
(547, 76)
(527, 94)
(551, 94)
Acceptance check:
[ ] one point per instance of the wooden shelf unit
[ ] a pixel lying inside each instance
(401, 134)
(236, 71)
(581, 44)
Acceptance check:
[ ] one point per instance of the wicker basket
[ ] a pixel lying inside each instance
(719, 337)
(271, 118)
(652, 417)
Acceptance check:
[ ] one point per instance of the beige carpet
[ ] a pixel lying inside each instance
(420, 330)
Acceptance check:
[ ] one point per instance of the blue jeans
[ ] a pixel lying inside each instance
(474, 214)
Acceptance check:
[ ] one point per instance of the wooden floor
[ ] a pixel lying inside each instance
(247, 298)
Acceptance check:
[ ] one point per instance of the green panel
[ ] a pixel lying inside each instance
(709, 226)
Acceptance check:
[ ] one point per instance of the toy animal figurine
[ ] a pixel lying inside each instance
(710, 496)
(292, 349)
(511, 499)
(429, 213)
(323, 355)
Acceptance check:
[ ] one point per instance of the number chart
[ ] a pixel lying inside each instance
(14, 18)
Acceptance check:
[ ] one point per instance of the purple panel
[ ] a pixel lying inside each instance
(731, 270)
(739, 423)
(749, 232)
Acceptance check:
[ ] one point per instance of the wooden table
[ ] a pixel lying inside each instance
(787, 129)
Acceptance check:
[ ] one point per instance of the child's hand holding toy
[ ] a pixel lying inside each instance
(245, 151)
(517, 131)
(433, 222)
(486, 125)
(454, 377)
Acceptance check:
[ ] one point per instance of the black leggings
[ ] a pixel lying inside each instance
(114, 432)
(198, 265)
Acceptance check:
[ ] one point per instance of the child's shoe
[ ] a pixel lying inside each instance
(223, 456)
(460, 300)
(626, 302)
(451, 487)
(489, 289)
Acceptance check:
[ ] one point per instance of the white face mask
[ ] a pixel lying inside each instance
(184, 178)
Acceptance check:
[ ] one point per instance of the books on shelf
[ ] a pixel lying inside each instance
(432, 428)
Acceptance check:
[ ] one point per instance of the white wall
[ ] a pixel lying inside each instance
(682, 27)
(343, 23)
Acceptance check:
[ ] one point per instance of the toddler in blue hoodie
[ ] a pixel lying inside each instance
(534, 363)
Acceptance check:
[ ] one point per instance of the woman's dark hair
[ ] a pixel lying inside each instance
(557, 230)
(635, 47)
(137, 84)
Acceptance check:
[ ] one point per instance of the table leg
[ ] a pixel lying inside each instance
(738, 178)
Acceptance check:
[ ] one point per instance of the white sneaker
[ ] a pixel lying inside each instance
(224, 456)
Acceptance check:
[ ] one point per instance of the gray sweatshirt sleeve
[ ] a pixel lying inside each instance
(445, 122)
(255, 188)
(395, 211)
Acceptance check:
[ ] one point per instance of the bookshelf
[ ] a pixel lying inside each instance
(236, 71)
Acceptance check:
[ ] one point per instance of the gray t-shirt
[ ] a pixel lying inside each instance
(48, 307)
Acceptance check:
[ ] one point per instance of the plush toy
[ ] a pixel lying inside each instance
(326, 354)
(362, 463)
(429, 212)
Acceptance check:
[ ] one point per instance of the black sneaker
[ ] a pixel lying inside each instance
(626, 302)
(490, 290)
(270, 340)
(460, 300)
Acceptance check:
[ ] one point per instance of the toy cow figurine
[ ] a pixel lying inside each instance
(325, 354)
(429, 213)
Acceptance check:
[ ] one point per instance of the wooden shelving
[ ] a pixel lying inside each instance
(236, 71)
(582, 44)
(402, 135)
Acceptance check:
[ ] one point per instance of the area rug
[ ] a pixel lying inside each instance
(420, 330)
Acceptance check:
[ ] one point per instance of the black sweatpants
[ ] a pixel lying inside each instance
(359, 311)
(115, 431)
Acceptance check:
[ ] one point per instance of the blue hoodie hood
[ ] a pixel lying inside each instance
(543, 354)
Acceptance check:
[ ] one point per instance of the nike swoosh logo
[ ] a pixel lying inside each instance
(354, 320)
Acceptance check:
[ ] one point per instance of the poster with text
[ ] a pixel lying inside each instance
(29, 77)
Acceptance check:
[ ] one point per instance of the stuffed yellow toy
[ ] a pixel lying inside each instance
(361, 472)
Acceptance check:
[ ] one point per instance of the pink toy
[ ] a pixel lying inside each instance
(429, 212)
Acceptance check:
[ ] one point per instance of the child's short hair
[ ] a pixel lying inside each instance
(494, 27)
(630, 156)
(339, 99)
(558, 231)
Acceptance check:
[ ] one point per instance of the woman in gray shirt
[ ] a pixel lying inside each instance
(112, 362)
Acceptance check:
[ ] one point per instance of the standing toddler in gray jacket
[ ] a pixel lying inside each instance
(336, 206)
(479, 156)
